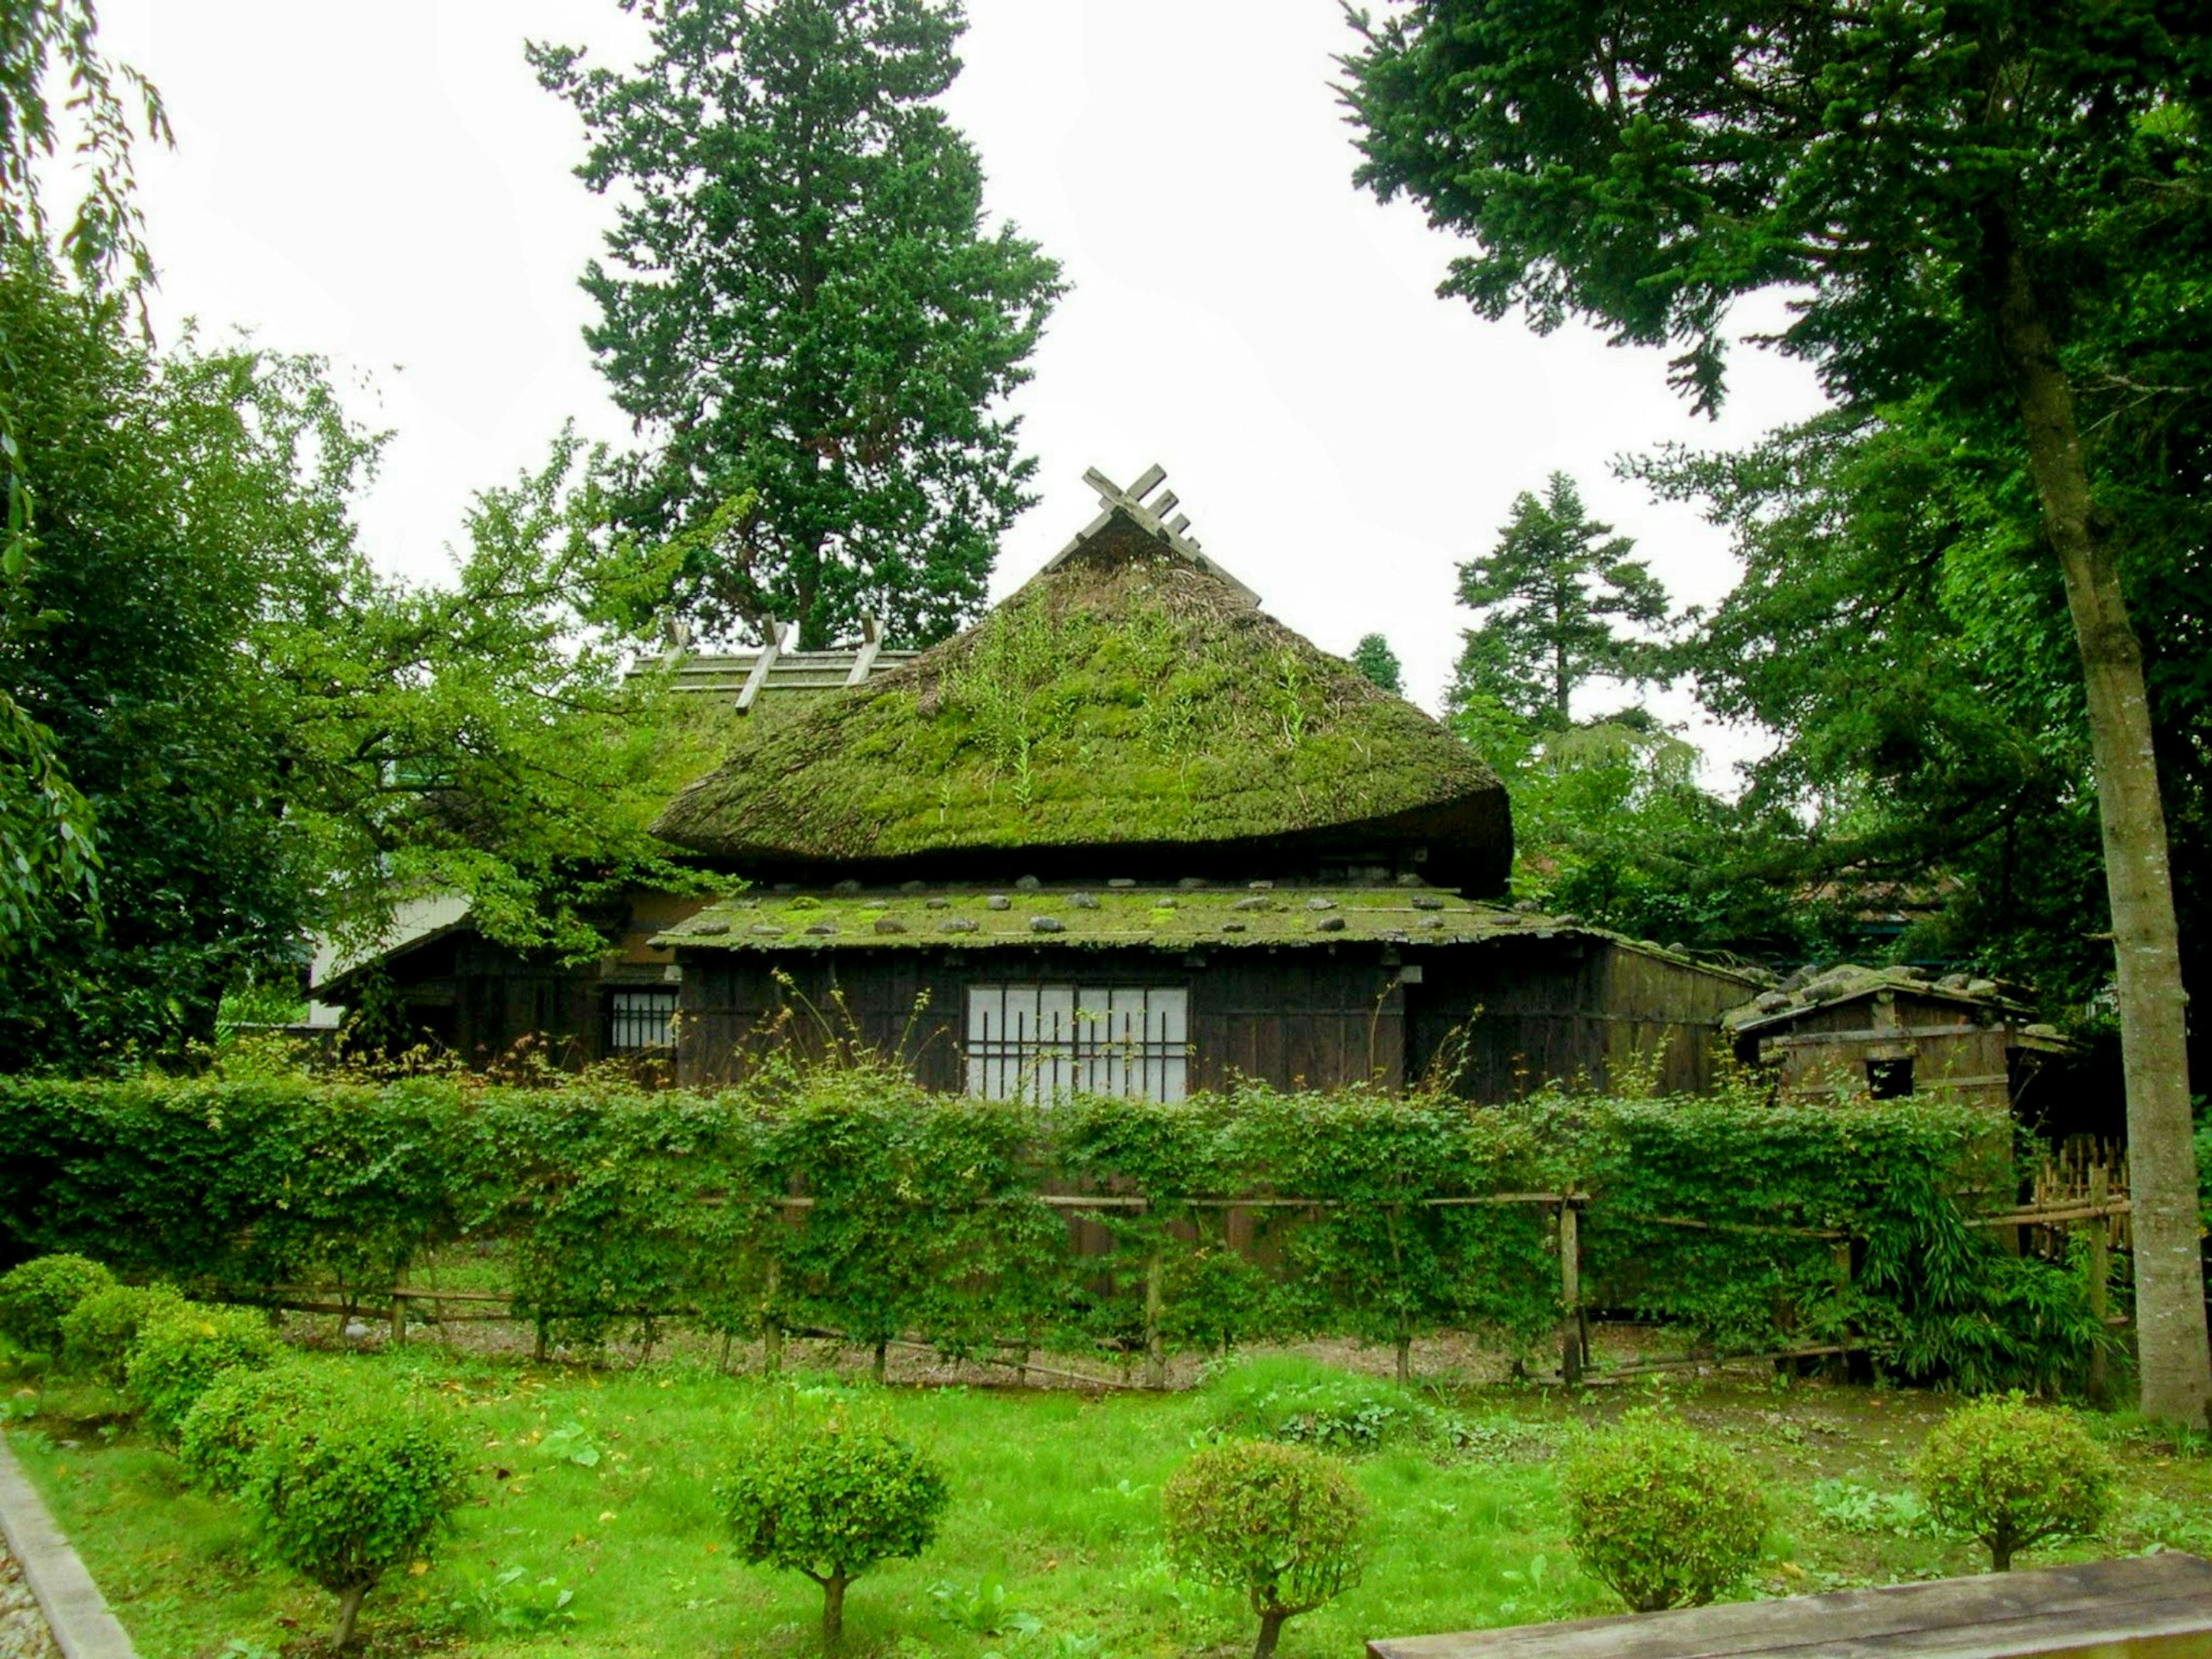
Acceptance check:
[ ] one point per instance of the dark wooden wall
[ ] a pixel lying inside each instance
(1304, 1018)
(1500, 1019)
(1296, 1018)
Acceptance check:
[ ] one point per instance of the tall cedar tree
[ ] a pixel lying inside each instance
(805, 311)
(1548, 599)
(1378, 664)
(1971, 200)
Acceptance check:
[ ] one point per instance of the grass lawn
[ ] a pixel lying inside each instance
(601, 1484)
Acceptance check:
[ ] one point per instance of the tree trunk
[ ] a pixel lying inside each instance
(348, 1610)
(2173, 1358)
(2000, 1556)
(877, 1369)
(833, 1610)
(1271, 1627)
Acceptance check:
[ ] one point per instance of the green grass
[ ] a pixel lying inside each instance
(602, 1483)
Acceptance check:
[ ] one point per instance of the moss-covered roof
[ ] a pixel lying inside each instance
(1124, 698)
(1166, 918)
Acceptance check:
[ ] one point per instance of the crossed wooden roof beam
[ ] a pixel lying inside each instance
(1152, 517)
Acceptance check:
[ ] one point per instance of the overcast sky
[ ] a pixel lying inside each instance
(387, 185)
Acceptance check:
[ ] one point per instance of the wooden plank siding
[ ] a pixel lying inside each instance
(1296, 1017)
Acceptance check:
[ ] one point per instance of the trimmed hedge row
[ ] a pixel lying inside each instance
(620, 1208)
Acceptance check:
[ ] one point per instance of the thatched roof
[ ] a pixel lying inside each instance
(1127, 698)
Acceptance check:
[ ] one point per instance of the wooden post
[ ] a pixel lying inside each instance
(1156, 1347)
(1571, 1293)
(771, 1324)
(1839, 1267)
(2100, 1270)
(399, 1318)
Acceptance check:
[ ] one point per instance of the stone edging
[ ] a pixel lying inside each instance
(76, 1610)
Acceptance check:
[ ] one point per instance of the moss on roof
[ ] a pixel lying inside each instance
(1167, 917)
(1125, 698)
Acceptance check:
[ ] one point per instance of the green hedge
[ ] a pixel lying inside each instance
(618, 1209)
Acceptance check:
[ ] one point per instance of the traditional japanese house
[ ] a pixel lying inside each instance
(1130, 834)
(1892, 1033)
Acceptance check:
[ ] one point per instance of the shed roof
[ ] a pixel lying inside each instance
(1850, 982)
(1128, 696)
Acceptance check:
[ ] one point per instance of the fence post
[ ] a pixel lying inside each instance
(1156, 1347)
(1570, 1292)
(399, 1318)
(2101, 1268)
(771, 1321)
(1839, 1264)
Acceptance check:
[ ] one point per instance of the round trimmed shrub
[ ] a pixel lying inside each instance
(2015, 1475)
(98, 1334)
(241, 1410)
(362, 1484)
(1279, 1523)
(35, 1296)
(180, 1352)
(1665, 1517)
(830, 1500)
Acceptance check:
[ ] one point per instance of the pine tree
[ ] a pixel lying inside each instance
(1374, 658)
(1548, 598)
(803, 313)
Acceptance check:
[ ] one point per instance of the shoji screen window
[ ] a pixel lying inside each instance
(1045, 1042)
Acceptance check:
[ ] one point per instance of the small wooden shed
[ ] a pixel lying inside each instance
(1891, 1033)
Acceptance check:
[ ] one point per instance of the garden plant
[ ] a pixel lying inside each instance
(1279, 1523)
(36, 1297)
(831, 1498)
(182, 1350)
(2015, 1475)
(360, 1485)
(1665, 1517)
(100, 1331)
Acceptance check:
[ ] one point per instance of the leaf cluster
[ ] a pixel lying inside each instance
(37, 1295)
(181, 1352)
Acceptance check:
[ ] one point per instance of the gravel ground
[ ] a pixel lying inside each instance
(23, 1632)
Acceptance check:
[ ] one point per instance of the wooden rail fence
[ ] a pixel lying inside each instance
(2066, 1195)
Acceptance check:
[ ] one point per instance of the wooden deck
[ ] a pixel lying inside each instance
(2155, 1607)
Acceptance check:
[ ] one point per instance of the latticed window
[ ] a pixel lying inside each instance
(641, 1020)
(1043, 1042)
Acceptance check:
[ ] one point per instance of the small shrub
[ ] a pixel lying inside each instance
(360, 1485)
(830, 1500)
(97, 1334)
(1280, 1522)
(1283, 1397)
(2015, 1475)
(179, 1353)
(240, 1411)
(1664, 1515)
(35, 1296)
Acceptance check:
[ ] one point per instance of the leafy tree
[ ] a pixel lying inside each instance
(1611, 825)
(1548, 599)
(269, 737)
(1995, 205)
(1891, 573)
(1667, 1517)
(46, 855)
(831, 1499)
(1374, 658)
(804, 313)
(1281, 1523)
(2013, 1475)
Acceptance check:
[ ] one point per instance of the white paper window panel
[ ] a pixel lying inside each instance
(1045, 1042)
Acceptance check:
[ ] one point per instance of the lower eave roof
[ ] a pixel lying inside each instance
(1162, 918)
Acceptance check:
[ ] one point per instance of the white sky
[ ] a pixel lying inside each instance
(387, 185)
